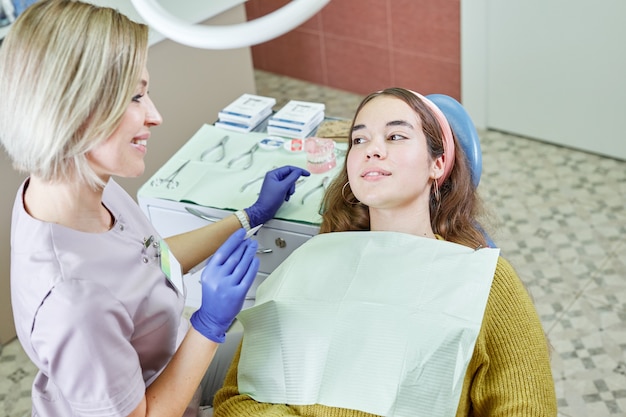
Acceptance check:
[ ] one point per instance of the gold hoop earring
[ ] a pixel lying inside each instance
(436, 192)
(343, 189)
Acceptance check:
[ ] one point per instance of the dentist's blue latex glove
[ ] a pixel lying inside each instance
(279, 184)
(226, 279)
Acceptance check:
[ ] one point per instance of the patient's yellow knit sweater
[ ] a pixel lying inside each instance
(509, 374)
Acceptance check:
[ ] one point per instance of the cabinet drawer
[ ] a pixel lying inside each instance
(275, 245)
(277, 240)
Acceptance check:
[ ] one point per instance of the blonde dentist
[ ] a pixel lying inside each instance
(92, 306)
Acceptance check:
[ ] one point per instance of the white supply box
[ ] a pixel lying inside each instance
(247, 109)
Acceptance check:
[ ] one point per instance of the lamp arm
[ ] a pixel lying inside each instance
(233, 36)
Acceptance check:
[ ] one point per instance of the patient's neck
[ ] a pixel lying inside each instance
(402, 221)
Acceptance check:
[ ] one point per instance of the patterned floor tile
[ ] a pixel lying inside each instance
(16, 377)
(589, 362)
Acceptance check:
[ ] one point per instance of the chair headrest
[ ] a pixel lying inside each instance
(464, 129)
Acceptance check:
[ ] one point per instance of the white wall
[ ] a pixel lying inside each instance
(474, 60)
(551, 71)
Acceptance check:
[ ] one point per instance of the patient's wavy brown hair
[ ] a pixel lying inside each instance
(454, 216)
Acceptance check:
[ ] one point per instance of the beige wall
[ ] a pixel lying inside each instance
(10, 181)
(189, 87)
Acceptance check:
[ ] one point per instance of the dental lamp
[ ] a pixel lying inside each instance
(239, 35)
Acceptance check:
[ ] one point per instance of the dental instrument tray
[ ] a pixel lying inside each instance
(224, 170)
(196, 187)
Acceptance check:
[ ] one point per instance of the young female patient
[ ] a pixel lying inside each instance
(402, 310)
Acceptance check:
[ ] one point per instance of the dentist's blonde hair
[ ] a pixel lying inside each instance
(68, 71)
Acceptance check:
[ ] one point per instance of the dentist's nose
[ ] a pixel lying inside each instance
(153, 117)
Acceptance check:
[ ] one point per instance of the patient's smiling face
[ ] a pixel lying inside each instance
(389, 167)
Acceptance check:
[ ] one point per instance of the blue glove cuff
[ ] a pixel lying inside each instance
(255, 219)
(211, 331)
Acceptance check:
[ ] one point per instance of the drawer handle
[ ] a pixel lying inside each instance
(261, 251)
(200, 214)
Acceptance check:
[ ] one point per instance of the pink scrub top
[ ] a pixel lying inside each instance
(93, 311)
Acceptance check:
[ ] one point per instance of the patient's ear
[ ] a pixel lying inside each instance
(437, 167)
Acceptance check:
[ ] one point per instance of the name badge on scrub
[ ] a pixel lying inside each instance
(171, 268)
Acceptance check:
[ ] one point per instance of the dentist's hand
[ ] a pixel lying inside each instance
(226, 279)
(279, 184)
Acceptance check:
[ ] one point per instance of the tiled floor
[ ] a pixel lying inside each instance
(561, 221)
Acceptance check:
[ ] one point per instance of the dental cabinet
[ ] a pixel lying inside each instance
(218, 172)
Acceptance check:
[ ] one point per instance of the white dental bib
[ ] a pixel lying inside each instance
(380, 322)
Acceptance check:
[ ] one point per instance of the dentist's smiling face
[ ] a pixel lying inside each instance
(388, 164)
(122, 154)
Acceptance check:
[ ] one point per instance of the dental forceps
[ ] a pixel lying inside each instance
(249, 183)
(321, 185)
(249, 153)
(170, 182)
(221, 145)
(252, 181)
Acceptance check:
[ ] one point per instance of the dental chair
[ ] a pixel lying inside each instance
(464, 129)
(467, 136)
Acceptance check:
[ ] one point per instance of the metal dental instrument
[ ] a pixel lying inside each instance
(202, 215)
(221, 145)
(252, 231)
(249, 154)
(321, 185)
(252, 181)
(169, 181)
